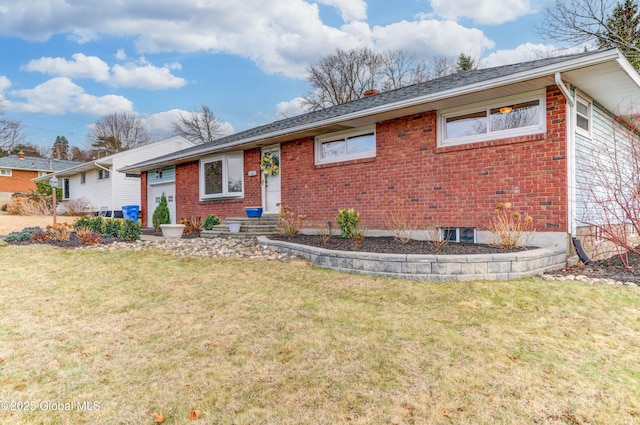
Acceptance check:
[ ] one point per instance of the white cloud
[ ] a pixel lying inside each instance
(145, 77)
(5, 83)
(280, 36)
(290, 108)
(350, 10)
(121, 55)
(489, 12)
(60, 95)
(81, 66)
(525, 52)
(160, 124)
(432, 38)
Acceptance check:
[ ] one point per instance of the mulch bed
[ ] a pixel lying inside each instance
(388, 245)
(73, 242)
(611, 268)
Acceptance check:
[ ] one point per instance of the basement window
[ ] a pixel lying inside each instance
(458, 234)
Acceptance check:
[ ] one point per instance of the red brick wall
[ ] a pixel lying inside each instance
(453, 186)
(188, 196)
(20, 181)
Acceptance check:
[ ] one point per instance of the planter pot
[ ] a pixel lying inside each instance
(234, 226)
(253, 212)
(172, 232)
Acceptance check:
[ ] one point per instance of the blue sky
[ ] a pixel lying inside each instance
(65, 63)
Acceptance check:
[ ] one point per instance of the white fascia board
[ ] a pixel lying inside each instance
(580, 62)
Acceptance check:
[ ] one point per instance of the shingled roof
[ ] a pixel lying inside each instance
(373, 104)
(32, 163)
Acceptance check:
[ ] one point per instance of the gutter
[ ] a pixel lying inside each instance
(571, 155)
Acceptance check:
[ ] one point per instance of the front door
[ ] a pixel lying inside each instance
(155, 193)
(271, 185)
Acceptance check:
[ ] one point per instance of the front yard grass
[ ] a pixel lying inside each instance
(132, 335)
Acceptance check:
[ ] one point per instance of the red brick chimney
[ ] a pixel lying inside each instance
(371, 92)
(21, 155)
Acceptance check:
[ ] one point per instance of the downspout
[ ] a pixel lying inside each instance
(571, 158)
(113, 187)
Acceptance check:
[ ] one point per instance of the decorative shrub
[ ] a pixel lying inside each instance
(192, 224)
(348, 220)
(325, 233)
(22, 235)
(4, 207)
(509, 228)
(93, 224)
(161, 215)
(210, 221)
(40, 236)
(288, 222)
(59, 232)
(111, 228)
(398, 222)
(30, 205)
(87, 236)
(129, 230)
(77, 207)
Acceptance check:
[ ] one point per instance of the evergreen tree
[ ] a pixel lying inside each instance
(60, 148)
(622, 30)
(465, 63)
(161, 214)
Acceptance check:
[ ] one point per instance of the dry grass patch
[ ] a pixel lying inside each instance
(247, 342)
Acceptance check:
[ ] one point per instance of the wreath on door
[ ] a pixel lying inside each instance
(269, 164)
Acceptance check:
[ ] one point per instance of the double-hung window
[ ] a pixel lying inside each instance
(222, 176)
(103, 174)
(508, 117)
(346, 145)
(583, 116)
(66, 194)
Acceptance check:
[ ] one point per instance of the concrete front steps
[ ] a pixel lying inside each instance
(249, 228)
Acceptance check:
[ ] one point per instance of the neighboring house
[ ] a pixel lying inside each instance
(106, 190)
(18, 171)
(443, 153)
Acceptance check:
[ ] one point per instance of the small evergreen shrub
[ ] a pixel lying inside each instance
(348, 220)
(130, 230)
(210, 221)
(22, 235)
(111, 228)
(161, 214)
(93, 224)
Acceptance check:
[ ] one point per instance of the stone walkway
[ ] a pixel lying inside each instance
(198, 247)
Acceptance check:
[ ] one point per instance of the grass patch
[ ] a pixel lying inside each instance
(247, 342)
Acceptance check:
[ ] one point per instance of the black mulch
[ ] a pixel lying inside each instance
(612, 268)
(387, 245)
(73, 242)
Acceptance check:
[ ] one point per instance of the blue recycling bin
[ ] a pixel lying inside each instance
(131, 211)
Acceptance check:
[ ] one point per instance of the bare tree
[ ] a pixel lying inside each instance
(342, 77)
(345, 76)
(117, 132)
(400, 68)
(199, 126)
(605, 23)
(608, 182)
(11, 133)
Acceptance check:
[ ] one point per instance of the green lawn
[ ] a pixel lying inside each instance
(131, 335)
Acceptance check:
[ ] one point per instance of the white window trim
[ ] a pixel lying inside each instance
(539, 95)
(443, 231)
(65, 193)
(589, 116)
(6, 172)
(103, 178)
(83, 178)
(319, 140)
(224, 158)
